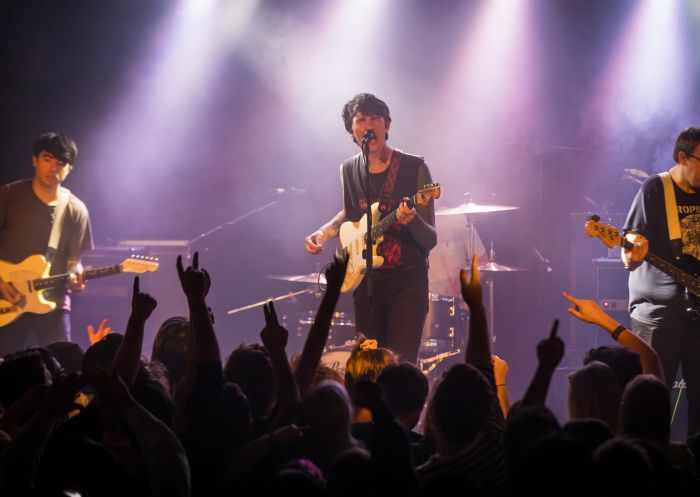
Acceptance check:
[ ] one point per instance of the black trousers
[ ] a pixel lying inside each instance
(398, 309)
(47, 328)
(677, 344)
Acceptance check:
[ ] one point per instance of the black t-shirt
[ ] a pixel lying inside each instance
(25, 227)
(655, 296)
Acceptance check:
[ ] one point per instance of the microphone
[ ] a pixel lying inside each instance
(543, 260)
(368, 136)
(291, 190)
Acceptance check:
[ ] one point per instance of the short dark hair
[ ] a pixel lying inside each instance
(461, 403)
(405, 387)
(686, 142)
(57, 144)
(624, 362)
(367, 104)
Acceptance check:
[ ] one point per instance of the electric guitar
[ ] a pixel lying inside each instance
(29, 278)
(353, 237)
(689, 278)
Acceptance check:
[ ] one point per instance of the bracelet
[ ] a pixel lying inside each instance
(616, 333)
(501, 385)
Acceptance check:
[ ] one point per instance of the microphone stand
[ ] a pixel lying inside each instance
(369, 245)
(233, 221)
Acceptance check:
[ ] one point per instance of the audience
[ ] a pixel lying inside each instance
(105, 422)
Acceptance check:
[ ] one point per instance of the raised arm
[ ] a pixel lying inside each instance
(478, 342)
(126, 360)
(195, 283)
(590, 312)
(549, 354)
(274, 338)
(318, 334)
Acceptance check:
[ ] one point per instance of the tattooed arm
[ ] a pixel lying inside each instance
(314, 242)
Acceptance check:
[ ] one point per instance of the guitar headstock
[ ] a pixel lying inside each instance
(139, 264)
(431, 190)
(609, 235)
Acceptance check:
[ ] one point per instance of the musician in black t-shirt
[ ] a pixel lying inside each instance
(27, 212)
(400, 285)
(658, 303)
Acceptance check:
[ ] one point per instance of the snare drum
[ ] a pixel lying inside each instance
(342, 330)
(445, 325)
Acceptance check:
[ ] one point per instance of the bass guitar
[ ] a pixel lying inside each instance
(29, 278)
(353, 237)
(689, 276)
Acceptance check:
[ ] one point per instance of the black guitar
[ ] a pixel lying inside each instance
(689, 278)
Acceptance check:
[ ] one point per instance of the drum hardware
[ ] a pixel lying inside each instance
(317, 278)
(274, 299)
(342, 331)
(489, 269)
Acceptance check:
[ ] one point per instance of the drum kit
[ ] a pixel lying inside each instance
(446, 325)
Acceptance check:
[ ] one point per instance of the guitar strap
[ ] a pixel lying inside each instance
(389, 183)
(57, 226)
(674, 227)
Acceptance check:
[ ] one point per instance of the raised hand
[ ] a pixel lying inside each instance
(500, 369)
(586, 310)
(335, 274)
(551, 350)
(142, 304)
(195, 282)
(102, 331)
(273, 335)
(472, 292)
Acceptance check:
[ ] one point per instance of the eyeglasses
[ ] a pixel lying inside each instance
(693, 156)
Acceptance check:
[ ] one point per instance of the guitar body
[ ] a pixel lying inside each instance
(21, 276)
(352, 240)
(30, 279)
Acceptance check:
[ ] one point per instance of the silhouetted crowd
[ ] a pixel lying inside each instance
(106, 422)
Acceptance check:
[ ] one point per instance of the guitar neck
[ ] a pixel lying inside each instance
(388, 220)
(688, 281)
(88, 274)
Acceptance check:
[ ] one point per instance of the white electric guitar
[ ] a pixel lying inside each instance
(30, 279)
(353, 237)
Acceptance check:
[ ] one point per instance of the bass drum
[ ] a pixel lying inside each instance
(445, 326)
(337, 358)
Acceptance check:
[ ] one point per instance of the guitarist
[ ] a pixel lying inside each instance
(400, 285)
(657, 302)
(27, 209)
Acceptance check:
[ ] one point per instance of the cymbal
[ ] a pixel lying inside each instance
(474, 208)
(494, 267)
(313, 278)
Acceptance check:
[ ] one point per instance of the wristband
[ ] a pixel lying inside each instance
(616, 333)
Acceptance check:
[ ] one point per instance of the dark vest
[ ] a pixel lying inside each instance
(398, 248)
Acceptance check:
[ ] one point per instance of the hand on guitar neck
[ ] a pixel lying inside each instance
(633, 258)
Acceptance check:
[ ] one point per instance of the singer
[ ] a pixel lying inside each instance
(399, 302)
